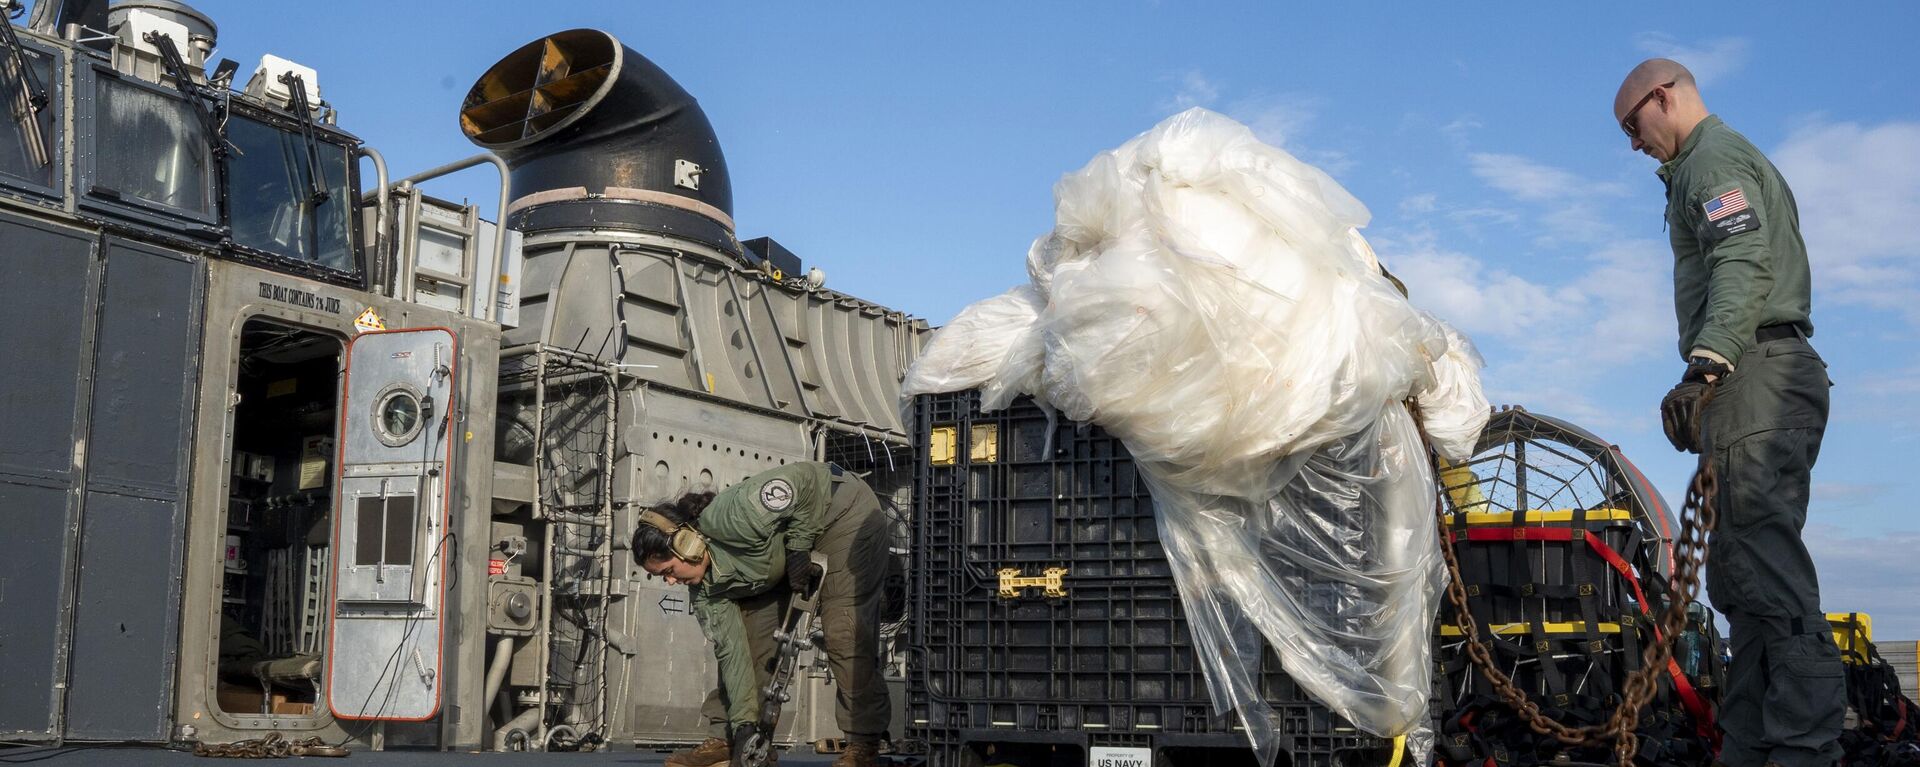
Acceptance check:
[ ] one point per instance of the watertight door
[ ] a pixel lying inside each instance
(390, 542)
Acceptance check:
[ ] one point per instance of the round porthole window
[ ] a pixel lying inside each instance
(396, 415)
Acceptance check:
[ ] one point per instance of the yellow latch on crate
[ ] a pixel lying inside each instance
(1853, 632)
(983, 444)
(943, 445)
(1052, 583)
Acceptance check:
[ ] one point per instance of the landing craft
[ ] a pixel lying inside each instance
(293, 446)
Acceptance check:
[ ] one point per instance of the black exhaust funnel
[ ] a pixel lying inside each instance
(598, 137)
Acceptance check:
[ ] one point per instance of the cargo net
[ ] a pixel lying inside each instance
(1885, 734)
(887, 467)
(1563, 549)
(572, 399)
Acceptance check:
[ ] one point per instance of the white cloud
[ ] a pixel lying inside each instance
(1467, 292)
(1419, 204)
(1709, 60)
(1531, 181)
(1276, 120)
(1566, 200)
(1195, 90)
(1279, 121)
(1615, 308)
(1550, 334)
(1458, 130)
(1875, 574)
(1881, 399)
(1827, 494)
(1858, 189)
(1472, 217)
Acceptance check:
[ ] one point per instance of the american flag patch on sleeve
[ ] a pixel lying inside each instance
(1725, 205)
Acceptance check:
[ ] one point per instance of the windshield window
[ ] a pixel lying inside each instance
(270, 199)
(151, 146)
(18, 156)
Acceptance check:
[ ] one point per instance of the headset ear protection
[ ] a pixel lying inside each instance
(684, 541)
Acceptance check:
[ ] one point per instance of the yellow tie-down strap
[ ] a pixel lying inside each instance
(1051, 582)
(1537, 516)
(1510, 629)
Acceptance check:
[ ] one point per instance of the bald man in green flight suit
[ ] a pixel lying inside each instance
(1741, 288)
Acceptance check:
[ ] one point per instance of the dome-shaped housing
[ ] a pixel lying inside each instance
(597, 136)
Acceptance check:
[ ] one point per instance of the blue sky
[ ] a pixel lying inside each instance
(910, 151)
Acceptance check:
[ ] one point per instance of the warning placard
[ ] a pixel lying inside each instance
(369, 320)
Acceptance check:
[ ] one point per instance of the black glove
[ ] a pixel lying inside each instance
(1680, 410)
(745, 750)
(800, 570)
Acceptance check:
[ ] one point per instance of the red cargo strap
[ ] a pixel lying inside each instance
(1689, 697)
(1659, 515)
(1563, 535)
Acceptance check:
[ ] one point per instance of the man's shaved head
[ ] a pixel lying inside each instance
(1648, 75)
(1657, 118)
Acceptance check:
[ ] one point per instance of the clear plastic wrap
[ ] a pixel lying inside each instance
(1455, 409)
(991, 345)
(1209, 300)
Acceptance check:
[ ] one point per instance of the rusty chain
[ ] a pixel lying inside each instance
(273, 745)
(1698, 516)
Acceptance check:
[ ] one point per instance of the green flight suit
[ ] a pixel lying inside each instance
(749, 528)
(1740, 275)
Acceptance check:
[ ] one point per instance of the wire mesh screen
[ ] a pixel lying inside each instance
(564, 423)
(887, 467)
(1524, 465)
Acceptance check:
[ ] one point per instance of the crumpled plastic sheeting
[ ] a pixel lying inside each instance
(989, 346)
(1208, 299)
(1455, 409)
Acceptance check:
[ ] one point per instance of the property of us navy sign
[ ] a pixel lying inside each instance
(1108, 756)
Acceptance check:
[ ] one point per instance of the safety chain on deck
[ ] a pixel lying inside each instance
(273, 745)
(1697, 518)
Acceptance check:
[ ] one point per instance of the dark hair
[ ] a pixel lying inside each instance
(650, 542)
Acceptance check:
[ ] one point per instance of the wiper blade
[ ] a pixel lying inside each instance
(29, 96)
(177, 67)
(316, 187)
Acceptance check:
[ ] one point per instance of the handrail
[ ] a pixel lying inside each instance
(500, 233)
(381, 218)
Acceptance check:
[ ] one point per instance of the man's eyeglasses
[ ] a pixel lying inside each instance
(1627, 123)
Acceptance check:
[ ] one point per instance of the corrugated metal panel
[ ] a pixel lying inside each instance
(127, 609)
(705, 327)
(1904, 655)
(44, 324)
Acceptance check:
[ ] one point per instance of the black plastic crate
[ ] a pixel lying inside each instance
(1531, 580)
(1106, 660)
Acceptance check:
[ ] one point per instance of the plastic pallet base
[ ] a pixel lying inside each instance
(978, 748)
(1551, 564)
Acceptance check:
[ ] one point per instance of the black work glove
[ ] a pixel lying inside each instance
(744, 750)
(800, 570)
(1680, 410)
